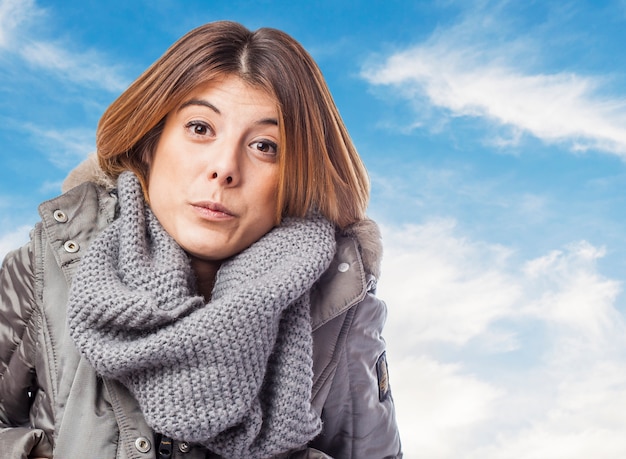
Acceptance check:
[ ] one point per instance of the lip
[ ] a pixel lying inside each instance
(212, 210)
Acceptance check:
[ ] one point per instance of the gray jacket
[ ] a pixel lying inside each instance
(52, 403)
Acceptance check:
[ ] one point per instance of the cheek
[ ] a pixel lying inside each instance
(164, 186)
(262, 203)
(267, 192)
(157, 183)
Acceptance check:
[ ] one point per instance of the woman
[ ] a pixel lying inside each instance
(206, 288)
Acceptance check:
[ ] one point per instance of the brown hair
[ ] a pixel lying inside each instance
(320, 168)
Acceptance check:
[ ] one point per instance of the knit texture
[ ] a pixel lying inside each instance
(234, 374)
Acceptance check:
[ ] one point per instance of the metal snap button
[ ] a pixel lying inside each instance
(71, 247)
(142, 444)
(343, 267)
(60, 216)
(184, 447)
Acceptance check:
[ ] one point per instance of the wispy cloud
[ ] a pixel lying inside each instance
(13, 239)
(88, 68)
(64, 148)
(580, 301)
(13, 15)
(19, 37)
(470, 307)
(579, 421)
(438, 402)
(473, 70)
(450, 275)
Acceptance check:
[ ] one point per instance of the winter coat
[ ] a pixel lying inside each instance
(53, 404)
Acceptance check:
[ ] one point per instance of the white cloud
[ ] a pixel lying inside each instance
(86, 68)
(573, 295)
(582, 421)
(467, 72)
(49, 187)
(13, 14)
(65, 148)
(428, 257)
(18, 35)
(493, 357)
(13, 239)
(436, 406)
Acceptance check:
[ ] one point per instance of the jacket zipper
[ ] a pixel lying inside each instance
(165, 447)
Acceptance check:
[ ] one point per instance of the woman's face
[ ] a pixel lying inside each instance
(214, 175)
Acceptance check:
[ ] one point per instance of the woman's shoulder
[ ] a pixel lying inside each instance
(366, 233)
(352, 274)
(83, 206)
(71, 220)
(87, 193)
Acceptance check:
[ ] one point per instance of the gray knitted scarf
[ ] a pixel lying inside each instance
(234, 374)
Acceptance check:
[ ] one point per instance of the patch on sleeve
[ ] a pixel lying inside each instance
(383, 377)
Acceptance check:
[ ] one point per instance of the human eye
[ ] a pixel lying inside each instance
(198, 128)
(266, 147)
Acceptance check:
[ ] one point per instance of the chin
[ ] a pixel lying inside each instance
(205, 254)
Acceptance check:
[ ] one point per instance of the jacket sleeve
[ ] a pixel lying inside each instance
(359, 415)
(17, 369)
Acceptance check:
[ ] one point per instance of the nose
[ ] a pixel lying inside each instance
(224, 165)
(228, 180)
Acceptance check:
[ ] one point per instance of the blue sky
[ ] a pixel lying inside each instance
(495, 137)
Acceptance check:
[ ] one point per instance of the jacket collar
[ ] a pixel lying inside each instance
(71, 220)
(344, 284)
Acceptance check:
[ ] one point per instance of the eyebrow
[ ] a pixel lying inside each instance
(200, 102)
(204, 103)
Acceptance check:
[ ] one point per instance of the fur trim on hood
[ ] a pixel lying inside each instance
(366, 231)
(88, 171)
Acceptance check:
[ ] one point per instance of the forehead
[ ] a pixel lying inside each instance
(232, 91)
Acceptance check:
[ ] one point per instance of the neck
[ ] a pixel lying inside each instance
(205, 272)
